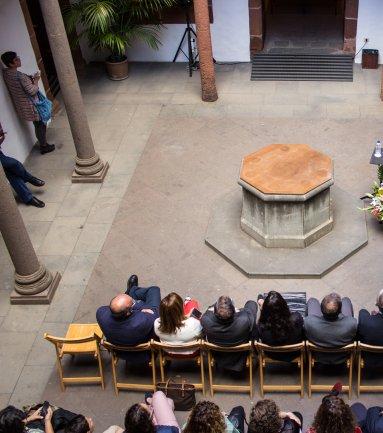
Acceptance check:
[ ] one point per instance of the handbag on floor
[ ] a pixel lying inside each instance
(182, 393)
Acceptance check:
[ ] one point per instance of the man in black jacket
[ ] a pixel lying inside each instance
(370, 331)
(224, 326)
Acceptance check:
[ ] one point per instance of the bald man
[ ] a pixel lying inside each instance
(128, 319)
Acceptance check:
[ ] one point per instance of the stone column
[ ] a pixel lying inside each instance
(34, 284)
(256, 25)
(350, 25)
(202, 22)
(89, 167)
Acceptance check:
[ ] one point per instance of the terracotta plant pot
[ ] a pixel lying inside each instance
(117, 70)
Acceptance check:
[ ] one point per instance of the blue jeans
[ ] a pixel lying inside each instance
(147, 297)
(17, 176)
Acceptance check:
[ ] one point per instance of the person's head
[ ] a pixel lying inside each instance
(379, 301)
(80, 424)
(275, 316)
(121, 306)
(331, 306)
(265, 418)
(11, 59)
(224, 308)
(138, 420)
(11, 420)
(334, 416)
(206, 417)
(171, 313)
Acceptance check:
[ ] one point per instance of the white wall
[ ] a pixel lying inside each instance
(14, 37)
(370, 26)
(230, 37)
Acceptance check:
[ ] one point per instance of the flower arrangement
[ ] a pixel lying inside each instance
(376, 202)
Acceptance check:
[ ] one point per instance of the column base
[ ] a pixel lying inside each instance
(91, 178)
(44, 297)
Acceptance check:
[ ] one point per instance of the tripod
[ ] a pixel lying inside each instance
(189, 31)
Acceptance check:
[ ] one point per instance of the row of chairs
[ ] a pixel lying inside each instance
(78, 342)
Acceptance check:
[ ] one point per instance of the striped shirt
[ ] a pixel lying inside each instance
(21, 88)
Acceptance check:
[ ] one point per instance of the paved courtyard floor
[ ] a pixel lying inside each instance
(172, 156)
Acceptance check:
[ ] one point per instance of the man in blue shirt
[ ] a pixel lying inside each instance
(128, 319)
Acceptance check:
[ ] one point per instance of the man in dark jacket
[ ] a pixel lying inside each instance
(370, 331)
(128, 319)
(224, 326)
(330, 324)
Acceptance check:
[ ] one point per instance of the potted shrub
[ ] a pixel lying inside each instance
(113, 25)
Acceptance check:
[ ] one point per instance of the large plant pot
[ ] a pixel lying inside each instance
(117, 70)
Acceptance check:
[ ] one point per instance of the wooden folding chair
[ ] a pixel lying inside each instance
(264, 358)
(115, 350)
(246, 347)
(168, 352)
(366, 348)
(348, 350)
(80, 339)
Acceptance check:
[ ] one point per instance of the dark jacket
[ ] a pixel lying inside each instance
(294, 336)
(374, 421)
(240, 330)
(134, 329)
(370, 331)
(330, 333)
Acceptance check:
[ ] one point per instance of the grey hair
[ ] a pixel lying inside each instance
(379, 299)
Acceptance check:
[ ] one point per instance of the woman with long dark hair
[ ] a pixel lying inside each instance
(277, 325)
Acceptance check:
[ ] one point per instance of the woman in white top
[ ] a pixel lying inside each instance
(173, 326)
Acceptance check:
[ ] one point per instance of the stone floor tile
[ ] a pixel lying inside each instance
(104, 210)
(115, 185)
(4, 400)
(79, 200)
(55, 263)
(79, 269)
(24, 317)
(42, 351)
(47, 214)
(62, 236)
(143, 98)
(64, 304)
(119, 114)
(51, 194)
(92, 238)
(177, 110)
(32, 382)
(12, 359)
(37, 231)
(4, 301)
(341, 111)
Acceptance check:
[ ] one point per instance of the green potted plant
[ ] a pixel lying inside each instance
(113, 25)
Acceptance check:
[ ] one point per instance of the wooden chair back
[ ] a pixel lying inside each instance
(264, 358)
(115, 352)
(169, 352)
(363, 349)
(81, 345)
(246, 347)
(348, 350)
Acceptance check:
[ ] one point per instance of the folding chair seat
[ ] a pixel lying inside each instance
(362, 351)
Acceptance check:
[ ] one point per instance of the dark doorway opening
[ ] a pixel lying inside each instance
(304, 26)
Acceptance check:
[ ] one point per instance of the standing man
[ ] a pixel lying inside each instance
(23, 90)
(17, 176)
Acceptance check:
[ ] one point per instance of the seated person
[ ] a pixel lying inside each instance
(330, 324)
(17, 176)
(334, 416)
(224, 326)
(370, 331)
(277, 326)
(157, 416)
(206, 417)
(369, 420)
(80, 424)
(129, 318)
(173, 326)
(265, 417)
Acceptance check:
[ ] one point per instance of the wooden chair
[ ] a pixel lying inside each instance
(114, 351)
(80, 339)
(264, 358)
(246, 347)
(168, 352)
(363, 348)
(348, 350)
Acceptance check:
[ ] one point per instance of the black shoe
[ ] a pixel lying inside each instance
(132, 282)
(36, 181)
(47, 148)
(36, 202)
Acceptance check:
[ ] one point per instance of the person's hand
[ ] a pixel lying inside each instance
(260, 302)
(49, 414)
(37, 76)
(34, 416)
(147, 310)
(374, 313)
